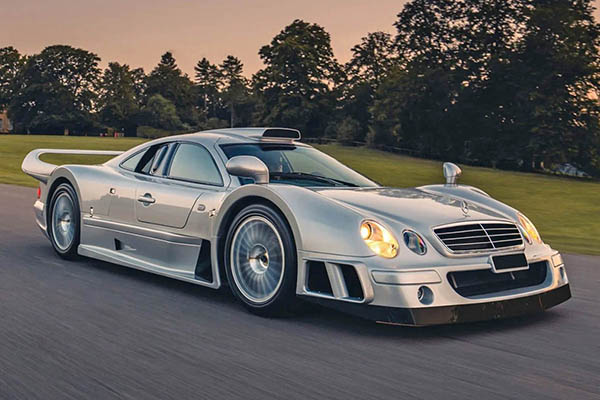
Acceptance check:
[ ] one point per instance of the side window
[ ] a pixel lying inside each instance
(158, 158)
(194, 163)
(147, 164)
(131, 163)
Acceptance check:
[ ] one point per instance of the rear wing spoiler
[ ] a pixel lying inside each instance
(41, 170)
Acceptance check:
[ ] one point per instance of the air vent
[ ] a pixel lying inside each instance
(203, 269)
(318, 280)
(480, 236)
(281, 133)
(352, 282)
(484, 281)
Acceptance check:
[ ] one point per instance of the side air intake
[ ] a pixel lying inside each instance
(339, 281)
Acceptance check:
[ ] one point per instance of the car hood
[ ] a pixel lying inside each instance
(414, 207)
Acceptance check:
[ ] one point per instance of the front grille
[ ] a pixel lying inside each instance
(484, 281)
(479, 236)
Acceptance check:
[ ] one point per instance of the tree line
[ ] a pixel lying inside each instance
(509, 83)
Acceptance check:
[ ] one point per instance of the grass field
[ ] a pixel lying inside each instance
(565, 211)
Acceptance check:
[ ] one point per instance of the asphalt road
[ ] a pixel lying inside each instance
(88, 329)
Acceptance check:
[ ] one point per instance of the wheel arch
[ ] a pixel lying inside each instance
(238, 200)
(60, 176)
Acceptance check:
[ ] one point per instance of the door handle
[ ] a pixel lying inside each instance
(146, 199)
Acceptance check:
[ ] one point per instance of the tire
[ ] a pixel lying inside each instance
(261, 261)
(64, 221)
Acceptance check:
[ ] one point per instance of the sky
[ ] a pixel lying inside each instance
(137, 32)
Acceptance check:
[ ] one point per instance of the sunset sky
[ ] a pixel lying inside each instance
(137, 32)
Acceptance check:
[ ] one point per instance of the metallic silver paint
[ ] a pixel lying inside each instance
(249, 167)
(166, 237)
(451, 173)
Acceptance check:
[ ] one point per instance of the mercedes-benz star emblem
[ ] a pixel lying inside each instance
(464, 206)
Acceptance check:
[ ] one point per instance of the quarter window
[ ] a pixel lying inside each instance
(194, 163)
(132, 161)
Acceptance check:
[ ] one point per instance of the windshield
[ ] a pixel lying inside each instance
(299, 165)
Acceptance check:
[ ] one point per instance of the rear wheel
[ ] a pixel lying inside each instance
(63, 221)
(260, 256)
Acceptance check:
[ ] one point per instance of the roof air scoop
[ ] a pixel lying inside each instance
(281, 133)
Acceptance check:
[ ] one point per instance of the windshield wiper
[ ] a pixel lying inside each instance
(311, 177)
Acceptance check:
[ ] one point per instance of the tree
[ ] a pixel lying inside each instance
(55, 91)
(208, 81)
(119, 100)
(372, 60)
(557, 109)
(168, 81)
(494, 82)
(415, 101)
(11, 63)
(234, 85)
(451, 90)
(161, 113)
(139, 83)
(294, 88)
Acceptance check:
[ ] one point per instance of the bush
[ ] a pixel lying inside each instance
(161, 113)
(348, 130)
(215, 123)
(150, 132)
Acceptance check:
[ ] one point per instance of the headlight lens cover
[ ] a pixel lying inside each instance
(379, 239)
(531, 234)
(414, 242)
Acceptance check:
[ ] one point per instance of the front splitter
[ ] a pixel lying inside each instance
(452, 314)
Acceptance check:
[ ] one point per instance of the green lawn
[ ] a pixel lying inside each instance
(565, 211)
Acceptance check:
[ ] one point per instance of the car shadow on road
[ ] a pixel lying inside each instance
(334, 320)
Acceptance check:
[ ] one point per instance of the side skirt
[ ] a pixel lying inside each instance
(115, 257)
(173, 255)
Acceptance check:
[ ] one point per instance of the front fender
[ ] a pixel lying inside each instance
(319, 224)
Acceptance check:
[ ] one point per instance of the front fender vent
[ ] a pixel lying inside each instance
(318, 281)
(484, 236)
(340, 281)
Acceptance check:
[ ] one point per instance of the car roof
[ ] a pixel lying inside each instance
(242, 135)
(220, 136)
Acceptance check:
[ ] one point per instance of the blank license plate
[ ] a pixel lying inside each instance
(510, 261)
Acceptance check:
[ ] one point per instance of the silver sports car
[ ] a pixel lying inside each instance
(279, 220)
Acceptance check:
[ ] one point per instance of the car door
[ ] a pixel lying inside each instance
(122, 188)
(166, 196)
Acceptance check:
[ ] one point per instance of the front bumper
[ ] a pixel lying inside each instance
(391, 295)
(454, 314)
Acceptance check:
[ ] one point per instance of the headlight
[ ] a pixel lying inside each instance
(379, 239)
(531, 234)
(414, 242)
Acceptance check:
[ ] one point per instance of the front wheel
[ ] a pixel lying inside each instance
(63, 221)
(261, 262)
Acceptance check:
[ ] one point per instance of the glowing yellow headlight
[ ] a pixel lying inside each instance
(531, 234)
(382, 242)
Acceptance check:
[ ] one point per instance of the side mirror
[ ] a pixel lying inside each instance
(248, 167)
(451, 173)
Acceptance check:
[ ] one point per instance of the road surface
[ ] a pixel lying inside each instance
(89, 329)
